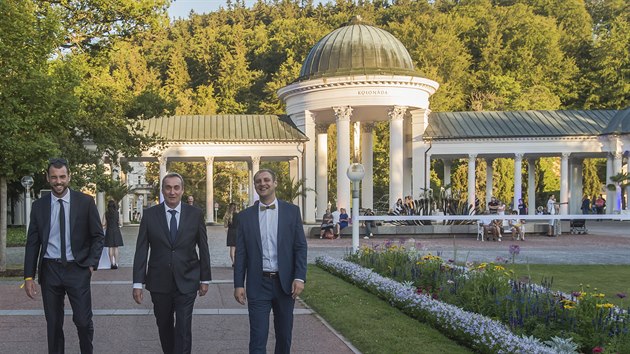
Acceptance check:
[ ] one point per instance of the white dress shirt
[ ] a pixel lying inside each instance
(54, 241)
(268, 220)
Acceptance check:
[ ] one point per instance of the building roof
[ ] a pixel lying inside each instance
(506, 124)
(357, 49)
(224, 128)
(620, 123)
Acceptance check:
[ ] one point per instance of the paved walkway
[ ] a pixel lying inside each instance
(220, 324)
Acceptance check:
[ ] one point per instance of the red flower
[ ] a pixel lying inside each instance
(598, 350)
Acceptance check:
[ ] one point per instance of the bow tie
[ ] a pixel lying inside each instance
(265, 207)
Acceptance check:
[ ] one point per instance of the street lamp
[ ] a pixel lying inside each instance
(355, 174)
(27, 182)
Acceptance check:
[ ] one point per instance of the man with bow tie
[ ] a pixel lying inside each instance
(173, 273)
(270, 264)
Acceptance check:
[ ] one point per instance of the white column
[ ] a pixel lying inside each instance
(407, 159)
(367, 159)
(308, 211)
(343, 114)
(610, 195)
(471, 182)
(489, 181)
(322, 169)
(419, 123)
(253, 196)
(300, 176)
(427, 168)
(518, 179)
(396, 137)
(209, 189)
(163, 160)
(576, 185)
(564, 183)
(126, 217)
(100, 203)
(531, 186)
(293, 176)
(616, 204)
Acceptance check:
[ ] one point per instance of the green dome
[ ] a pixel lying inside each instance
(354, 50)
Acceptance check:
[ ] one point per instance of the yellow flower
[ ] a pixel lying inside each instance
(568, 307)
(606, 306)
(498, 267)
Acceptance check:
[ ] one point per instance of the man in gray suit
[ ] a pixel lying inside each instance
(176, 273)
(271, 255)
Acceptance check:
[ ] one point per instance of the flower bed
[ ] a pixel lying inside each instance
(491, 290)
(477, 331)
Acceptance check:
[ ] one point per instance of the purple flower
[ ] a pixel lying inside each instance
(621, 295)
(515, 250)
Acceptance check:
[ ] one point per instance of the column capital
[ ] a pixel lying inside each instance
(343, 112)
(321, 128)
(256, 159)
(162, 159)
(367, 127)
(616, 155)
(209, 160)
(566, 155)
(519, 155)
(397, 112)
(472, 156)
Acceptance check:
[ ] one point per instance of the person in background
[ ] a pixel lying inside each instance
(493, 205)
(113, 236)
(551, 210)
(190, 200)
(230, 222)
(344, 220)
(516, 226)
(63, 247)
(600, 204)
(327, 228)
(522, 208)
(586, 205)
(369, 224)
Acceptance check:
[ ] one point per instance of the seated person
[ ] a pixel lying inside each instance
(328, 226)
(343, 221)
(493, 228)
(493, 205)
(369, 224)
(516, 225)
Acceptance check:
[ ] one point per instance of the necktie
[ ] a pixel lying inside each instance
(62, 233)
(265, 207)
(173, 225)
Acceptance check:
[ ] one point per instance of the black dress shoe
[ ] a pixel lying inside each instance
(114, 266)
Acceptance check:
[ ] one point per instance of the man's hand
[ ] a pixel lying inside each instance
(91, 269)
(297, 288)
(203, 289)
(239, 295)
(29, 287)
(137, 296)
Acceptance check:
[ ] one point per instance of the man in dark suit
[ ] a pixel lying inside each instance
(176, 273)
(271, 255)
(64, 245)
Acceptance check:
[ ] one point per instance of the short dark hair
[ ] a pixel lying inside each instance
(271, 172)
(57, 162)
(171, 175)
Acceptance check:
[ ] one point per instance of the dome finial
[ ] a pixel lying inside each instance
(356, 19)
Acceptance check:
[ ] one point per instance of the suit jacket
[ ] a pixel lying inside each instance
(172, 266)
(86, 233)
(292, 248)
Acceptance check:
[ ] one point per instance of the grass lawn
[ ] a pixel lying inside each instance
(607, 279)
(16, 236)
(371, 324)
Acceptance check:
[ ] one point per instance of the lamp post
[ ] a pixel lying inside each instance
(27, 182)
(355, 174)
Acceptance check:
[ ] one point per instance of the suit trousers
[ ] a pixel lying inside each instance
(271, 296)
(57, 281)
(173, 315)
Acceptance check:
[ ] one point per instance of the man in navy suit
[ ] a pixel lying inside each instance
(176, 273)
(63, 247)
(271, 255)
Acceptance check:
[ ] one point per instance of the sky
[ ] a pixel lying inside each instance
(181, 8)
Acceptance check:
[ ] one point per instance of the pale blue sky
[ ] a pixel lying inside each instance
(181, 8)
